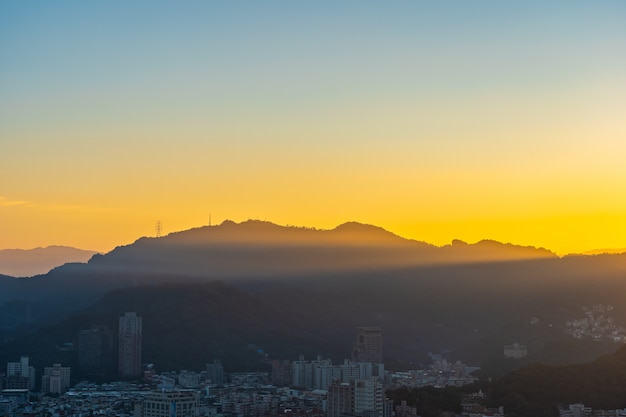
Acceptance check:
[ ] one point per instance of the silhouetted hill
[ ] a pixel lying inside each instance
(185, 326)
(30, 262)
(536, 390)
(263, 249)
(605, 251)
(466, 299)
(249, 250)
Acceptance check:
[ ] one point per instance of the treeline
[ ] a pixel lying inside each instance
(430, 401)
(533, 391)
(600, 384)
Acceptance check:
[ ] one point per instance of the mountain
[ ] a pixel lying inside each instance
(185, 326)
(537, 389)
(30, 262)
(605, 251)
(262, 249)
(252, 250)
(466, 299)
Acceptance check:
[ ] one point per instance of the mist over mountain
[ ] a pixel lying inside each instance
(184, 327)
(263, 249)
(252, 250)
(314, 286)
(605, 251)
(30, 262)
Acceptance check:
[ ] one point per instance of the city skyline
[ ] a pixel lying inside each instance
(436, 121)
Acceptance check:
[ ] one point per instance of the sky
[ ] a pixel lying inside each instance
(436, 120)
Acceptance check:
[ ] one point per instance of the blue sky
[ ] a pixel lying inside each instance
(343, 105)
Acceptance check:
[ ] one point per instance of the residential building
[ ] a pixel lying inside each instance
(55, 379)
(168, 404)
(281, 372)
(515, 351)
(129, 345)
(339, 400)
(368, 346)
(20, 375)
(215, 372)
(367, 397)
(95, 352)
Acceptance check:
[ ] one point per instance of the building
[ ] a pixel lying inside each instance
(95, 352)
(339, 400)
(515, 351)
(404, 410)
(55, 379)
(215, 372)
(129, 346)
(20, 375)
(168, 404)
(281, 372)
(302, 373)
(367, 397)
(368, 346)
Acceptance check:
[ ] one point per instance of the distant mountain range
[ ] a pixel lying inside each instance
(292, 289)
(605, 251)
(30, 262)
(254, 250)
(257, 248)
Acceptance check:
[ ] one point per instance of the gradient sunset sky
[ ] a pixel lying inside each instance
(435, 120)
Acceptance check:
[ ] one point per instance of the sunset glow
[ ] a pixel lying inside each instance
(436, 121)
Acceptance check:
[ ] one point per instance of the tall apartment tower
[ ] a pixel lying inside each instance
(368, 397)
(339, 401)
(20, 375)
(129, 347)
(96, 352)
(368, 346)
(55, 379)
(215, 372)
(360, 397)
(281, 372)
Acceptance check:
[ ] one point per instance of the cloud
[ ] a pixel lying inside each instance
(7, 202)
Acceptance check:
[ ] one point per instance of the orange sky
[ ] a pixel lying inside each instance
(489, 121)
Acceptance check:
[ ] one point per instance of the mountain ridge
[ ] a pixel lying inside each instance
(40, 260)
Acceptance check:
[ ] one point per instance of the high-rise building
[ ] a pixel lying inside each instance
(281, 372)
(302, 373)
(368, 346)
(368, 397)
(20, 375)
(339, 400)
(215, 372)
(363, 397)
(168, 404)
(129, 345)
(55, 379)
(95, 352)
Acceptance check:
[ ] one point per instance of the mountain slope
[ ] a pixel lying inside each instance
(263, 249)
(251, 250)
(185, 326)
(470, 299)
(537, 389)
(30, 262)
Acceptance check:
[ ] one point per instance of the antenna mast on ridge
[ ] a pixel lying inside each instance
(159, 226)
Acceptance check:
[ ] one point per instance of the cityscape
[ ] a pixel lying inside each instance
(300, 387)
(312, 209)
(315, 388)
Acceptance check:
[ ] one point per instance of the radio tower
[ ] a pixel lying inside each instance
(158, 228)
